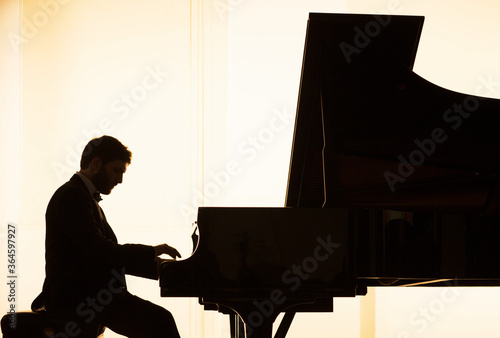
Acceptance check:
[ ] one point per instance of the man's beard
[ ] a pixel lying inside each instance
(101, 183)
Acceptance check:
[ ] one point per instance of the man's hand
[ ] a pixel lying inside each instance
(168, 250)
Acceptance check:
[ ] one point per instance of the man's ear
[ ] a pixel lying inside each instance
(96, 164)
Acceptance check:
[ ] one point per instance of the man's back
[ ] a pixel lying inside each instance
(76, 266)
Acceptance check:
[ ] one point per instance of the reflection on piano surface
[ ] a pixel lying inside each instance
(393, 181)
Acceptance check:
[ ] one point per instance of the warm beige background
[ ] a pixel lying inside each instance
(188, 85)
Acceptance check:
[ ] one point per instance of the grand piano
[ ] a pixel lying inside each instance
(393, 181)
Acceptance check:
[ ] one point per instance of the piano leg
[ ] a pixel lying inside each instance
(263, 331)
(256, 323)
(257, 319)
(237, 326)
(285, 324)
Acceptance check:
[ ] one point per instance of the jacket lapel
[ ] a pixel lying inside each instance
(103, 225)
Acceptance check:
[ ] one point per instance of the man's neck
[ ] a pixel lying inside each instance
(86, 174)
(88, 181)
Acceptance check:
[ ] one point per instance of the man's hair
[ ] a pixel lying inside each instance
(107, 148)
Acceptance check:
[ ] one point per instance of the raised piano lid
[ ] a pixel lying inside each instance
(371, 132)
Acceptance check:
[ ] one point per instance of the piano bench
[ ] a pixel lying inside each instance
(31, 325)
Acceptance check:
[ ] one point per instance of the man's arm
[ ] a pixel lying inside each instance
(75, 216)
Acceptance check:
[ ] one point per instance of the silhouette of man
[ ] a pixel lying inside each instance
(85, 266)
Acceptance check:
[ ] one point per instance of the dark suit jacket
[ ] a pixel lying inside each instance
(82, 256)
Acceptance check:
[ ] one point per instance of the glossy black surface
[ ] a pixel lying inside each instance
(253, 252)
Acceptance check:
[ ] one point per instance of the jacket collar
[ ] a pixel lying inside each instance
(88, 183)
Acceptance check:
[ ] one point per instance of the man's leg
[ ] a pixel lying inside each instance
(69, 324)
(134, 317)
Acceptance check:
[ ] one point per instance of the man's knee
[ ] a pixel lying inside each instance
(166, 324)
(163, 316)
(168, 317)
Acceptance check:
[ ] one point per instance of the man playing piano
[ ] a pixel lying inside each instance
(85, 266)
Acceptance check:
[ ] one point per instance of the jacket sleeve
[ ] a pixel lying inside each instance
(79, 221)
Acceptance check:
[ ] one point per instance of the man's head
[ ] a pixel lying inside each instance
(105, 160)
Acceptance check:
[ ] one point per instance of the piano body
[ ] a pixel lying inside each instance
(393, 181)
